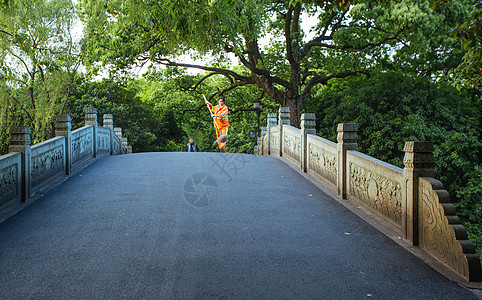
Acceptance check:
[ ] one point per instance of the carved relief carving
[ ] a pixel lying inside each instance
(378, 192)
(46, 165)
(275, 141)
(322, 162)
(82, 147)
(117, 147)
(438, 235)
(292, 146)
(8, 183)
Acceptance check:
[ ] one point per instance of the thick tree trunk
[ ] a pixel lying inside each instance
(292, 101)
(32, 101)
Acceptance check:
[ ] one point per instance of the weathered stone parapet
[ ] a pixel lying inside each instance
(108, 121)
(63, 127)
(441, 233)
(347, 140)
(308, 126)
(124, 142)
(20, 141)
(284, 119)
(129, 149)
(418, 162)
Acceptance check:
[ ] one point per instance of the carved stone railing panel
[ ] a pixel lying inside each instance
(10, 178)
(441, 233)
(322, 158)
(82, 144)
(292, 143)
(48, 161)
(116, 145)
(103, 141)
(274, 140)
(376, 186)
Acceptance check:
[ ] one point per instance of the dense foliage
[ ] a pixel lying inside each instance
(347, 39)
(392, 108)
(148, 128)
(38, 60)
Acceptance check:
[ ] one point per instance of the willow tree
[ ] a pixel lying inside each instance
(347, 39)
(38, 59)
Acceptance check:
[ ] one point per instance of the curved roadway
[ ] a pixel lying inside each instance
(203, 226)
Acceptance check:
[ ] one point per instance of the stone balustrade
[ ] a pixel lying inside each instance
(408, 200)
(27, 169)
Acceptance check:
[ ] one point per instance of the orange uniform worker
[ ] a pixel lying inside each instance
(220, 119)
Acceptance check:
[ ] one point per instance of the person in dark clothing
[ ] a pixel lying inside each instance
(191, 146)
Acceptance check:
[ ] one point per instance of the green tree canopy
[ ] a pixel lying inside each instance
(38, 60)
(349, 38)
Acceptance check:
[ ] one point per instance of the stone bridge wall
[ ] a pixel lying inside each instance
(28, 169)
(407, 200)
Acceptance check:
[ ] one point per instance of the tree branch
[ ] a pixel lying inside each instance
(7, 33)
(167, 62)
(324, 79)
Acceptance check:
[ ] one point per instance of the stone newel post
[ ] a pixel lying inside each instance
(20, 141)
(272, 121)
(308, 126)
(264, 129)
(259, 145)
(63, 127)
(90, 116)
(91, 119)
(347, 140)
(108, 121)
(284, 119)
(418, 162)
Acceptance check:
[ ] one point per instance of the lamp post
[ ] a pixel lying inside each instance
(258, 108)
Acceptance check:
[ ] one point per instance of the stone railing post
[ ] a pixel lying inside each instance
(129, 149)
(264, 131)
(418, 162)
(272, 121)
(308, 126)
(20, 141)
(63, 127)
(259, 145)
(347, 140)
(108, 121)
(284, 119)
(91, 119)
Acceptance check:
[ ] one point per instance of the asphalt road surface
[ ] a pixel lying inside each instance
(202, 226)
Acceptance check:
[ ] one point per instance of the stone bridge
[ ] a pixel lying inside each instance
(80, 221)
